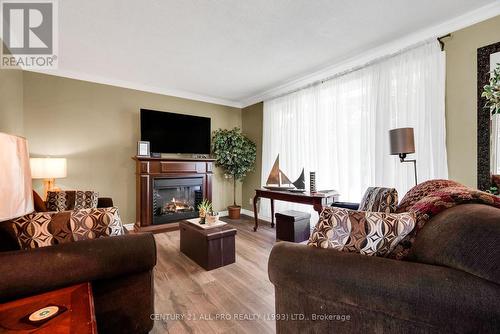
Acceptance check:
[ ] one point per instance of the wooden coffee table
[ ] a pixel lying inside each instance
(210, 248)
(78, 316)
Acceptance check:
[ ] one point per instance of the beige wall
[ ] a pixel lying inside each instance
(96, 127)
(251, 118)
(11, 101)
(461, 99)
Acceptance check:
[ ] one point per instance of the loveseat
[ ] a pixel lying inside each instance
(120, 269)
(450, 282)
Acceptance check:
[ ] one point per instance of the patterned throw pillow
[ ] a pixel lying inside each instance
(60, 200)
(95, 223)
(86, 200)
(368, 233)
(379, 199)
(32, 230)
(41, 229)
(65, 200)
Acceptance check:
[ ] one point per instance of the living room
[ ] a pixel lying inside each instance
(220, 167)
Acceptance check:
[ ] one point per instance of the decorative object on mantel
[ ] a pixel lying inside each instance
(197, 222)
(16, 187)
(402, 143)
(312, 182)
(143, 149)
(277, 180)
(48, 169)
(236, 154)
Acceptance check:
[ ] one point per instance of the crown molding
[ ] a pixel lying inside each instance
(136, 86)
(460, 22)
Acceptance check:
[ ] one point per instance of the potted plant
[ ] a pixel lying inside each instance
(235, 154)
(203, 210)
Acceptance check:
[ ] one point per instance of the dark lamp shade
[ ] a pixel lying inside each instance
(402, 141)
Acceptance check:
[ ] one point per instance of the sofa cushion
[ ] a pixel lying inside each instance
(95, 223)
(465, 237)
(379, 199)
(65, 200)
(368, 233)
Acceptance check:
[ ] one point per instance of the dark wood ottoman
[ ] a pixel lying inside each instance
(293, 226)
(210, 248)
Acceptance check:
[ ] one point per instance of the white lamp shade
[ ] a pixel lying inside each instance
(16, 192)
(48, 168)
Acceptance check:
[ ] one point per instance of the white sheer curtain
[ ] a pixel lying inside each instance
(339, 128)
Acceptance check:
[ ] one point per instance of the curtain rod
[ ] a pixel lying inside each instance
(440, 40)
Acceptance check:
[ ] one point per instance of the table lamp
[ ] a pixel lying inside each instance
(16, 189)
(48, 169)
(403, 143)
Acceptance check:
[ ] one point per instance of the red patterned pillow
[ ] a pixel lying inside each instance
(422, 190)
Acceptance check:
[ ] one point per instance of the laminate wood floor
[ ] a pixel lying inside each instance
(192, 300)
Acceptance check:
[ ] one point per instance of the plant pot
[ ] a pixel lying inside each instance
(234, 212)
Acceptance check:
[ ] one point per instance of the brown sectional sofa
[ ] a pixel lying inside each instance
(120, 269)
(451, 282)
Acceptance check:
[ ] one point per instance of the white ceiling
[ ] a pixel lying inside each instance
(228, 51)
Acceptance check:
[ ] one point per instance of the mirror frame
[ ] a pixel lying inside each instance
(483, 116)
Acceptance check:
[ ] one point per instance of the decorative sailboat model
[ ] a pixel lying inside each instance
(277, 180)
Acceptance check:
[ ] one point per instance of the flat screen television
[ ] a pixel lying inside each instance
(175, 133)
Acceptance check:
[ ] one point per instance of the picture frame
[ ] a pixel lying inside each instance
(143, 149)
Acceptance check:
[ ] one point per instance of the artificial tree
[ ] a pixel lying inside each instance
(235, 154)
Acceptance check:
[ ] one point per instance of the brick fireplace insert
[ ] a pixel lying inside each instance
(169, 190)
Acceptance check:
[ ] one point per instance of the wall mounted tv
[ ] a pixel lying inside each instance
(175, 133)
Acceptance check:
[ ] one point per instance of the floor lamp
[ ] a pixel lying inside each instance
(403, 143)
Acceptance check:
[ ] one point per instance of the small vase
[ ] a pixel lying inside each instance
(202, 220)
(212, 219)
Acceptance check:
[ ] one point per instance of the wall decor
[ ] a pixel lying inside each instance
(487, 57)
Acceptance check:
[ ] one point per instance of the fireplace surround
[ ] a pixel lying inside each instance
(169, 190)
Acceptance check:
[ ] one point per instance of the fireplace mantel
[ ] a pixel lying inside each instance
(148, 169)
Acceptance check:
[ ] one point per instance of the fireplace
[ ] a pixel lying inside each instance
(169, 190)
(175, 199)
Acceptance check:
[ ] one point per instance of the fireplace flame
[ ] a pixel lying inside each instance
(177, 206)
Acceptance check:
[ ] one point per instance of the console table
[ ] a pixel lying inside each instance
(317, 200)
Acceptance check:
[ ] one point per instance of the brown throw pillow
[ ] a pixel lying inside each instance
(32, 230)
(41, 229)
(95, 223)
(65, 200)
(38, 202)
(368, 233)
(379, 200)
(86, 200)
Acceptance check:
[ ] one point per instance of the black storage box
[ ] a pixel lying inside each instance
(293, 226)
